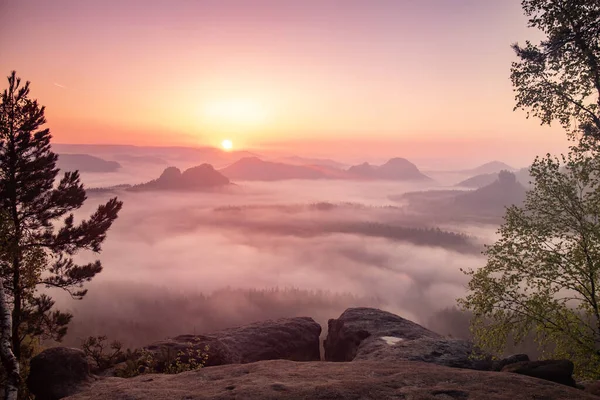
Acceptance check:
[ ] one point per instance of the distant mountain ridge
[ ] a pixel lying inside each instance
(156, 154)
(324, 162)
(485, 203)
(482, 180)
(255, 169)
(394, 169)
(85, 163)
(492, 167)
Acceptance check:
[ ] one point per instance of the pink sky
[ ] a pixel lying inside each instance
(427, 78)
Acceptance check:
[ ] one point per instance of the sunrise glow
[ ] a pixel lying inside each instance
(368, 75)
(227, 144)
(235, 113)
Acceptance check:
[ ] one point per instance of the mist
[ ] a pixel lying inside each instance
(181, 262)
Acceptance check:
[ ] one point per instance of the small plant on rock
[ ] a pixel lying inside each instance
(104, 354)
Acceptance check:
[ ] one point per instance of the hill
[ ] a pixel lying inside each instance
(485, 204)
(85, 163)
(493, 198)
(395, 169)
(255, 169)
(492, 167)
(479, 181)
(196, 178)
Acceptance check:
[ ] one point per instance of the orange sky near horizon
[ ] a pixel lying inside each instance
(322, 77)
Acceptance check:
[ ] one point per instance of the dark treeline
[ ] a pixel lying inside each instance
(137, 315)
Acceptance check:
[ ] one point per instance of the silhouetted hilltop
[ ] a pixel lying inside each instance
(487, 203)
(85, 163)
(395, 169)
(255, 169)
(479, 181)
(401, 169)
(492, 167)
(196, 178)
(365, 170)
(503, 192)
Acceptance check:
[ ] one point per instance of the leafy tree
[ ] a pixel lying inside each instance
(559, 78)
(543, 274)
(43, 237)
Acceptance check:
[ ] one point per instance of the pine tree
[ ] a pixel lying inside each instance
(42, 237)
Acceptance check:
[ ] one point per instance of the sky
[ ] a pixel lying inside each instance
(425, 79)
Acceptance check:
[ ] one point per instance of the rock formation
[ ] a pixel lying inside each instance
(196, 178)
(375, 354)
(559, 371)
(295, 339)
(398, 169)
(372, 334)
(365, 380)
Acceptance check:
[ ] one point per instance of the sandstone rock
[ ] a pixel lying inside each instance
(559, 371)
(441, 351)
(58, 372)
(515, 358)
(295, 339)
(592, 387)
(355, 325)
(371, 334)
(365, 380)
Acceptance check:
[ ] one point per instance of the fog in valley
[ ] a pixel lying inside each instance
(179, 262)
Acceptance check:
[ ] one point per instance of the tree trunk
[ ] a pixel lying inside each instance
(16, 313)
(9, 361)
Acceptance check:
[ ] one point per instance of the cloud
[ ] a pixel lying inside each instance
(59, 85)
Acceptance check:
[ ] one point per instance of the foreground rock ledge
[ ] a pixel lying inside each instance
(377, 380)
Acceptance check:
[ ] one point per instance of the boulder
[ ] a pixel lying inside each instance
(372, 334)
(346, 333)
(559, 371)
(58, 372)
(365, 380)
(515, 358)
(295, 339)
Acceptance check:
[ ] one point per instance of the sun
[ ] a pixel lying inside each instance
(227, 144)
